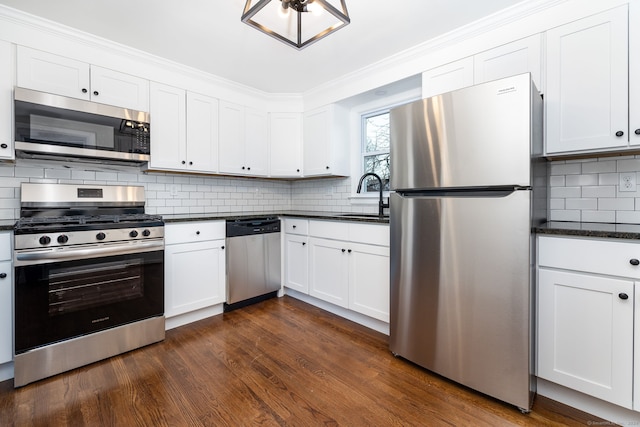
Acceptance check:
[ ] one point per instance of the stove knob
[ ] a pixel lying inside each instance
(146, 233)
(63, 238)
(45, 240)
(100, 236)
(133, 233)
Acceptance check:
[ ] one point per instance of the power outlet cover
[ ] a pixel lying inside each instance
(628, 181)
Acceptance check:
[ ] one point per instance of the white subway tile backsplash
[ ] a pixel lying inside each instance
(599, 216)
(617, 204)
(557, 181)
(581, 204)
(581, 180)
(631, 217)
(599, 191)
(565, 192)
(564, 215)
(599, 166)
(562, 168)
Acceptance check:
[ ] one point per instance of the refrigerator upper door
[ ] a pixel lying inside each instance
(477, 136)
(461, 290)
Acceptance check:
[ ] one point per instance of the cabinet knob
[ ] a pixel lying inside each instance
(619, 133)
(637, 132)
(327, 167)
(243, 168)
(248, 168)
(183, 162)
(222, 247)
(623, 296)
(3, 145)
(96, 93)
(349, 250)
(84, 90)
(343, 250)
(297, 170)
(294, 226)
(198, 232)
(304, 243)
(634, 261)
(3, 275)
(190, 163)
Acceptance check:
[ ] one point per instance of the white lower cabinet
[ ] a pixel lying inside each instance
(296, 265)
(194, 266)
(6, 299)
(346, 264)
(329, 271)
(586, 316)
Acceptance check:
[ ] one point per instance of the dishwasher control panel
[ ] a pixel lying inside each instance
(249, 226)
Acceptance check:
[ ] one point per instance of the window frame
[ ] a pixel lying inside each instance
(363, 142)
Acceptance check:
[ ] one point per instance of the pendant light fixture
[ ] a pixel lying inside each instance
(298, 23)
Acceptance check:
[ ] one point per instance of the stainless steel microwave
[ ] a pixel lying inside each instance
(51, 125)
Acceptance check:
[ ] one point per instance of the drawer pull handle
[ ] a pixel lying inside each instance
(634, 261)
(623, 296)
(619, 133)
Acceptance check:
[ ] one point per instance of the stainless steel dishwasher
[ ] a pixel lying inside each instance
(253, 260)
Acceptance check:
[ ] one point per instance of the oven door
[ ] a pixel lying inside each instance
(59, 300)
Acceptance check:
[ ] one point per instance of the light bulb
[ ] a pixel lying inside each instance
(284, 13)
(314, 8)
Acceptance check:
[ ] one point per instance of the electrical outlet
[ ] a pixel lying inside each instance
(628, 181)
(173, 190)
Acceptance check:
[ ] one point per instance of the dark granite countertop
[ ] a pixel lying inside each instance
(590, 229)
(334, 216)
(7, 225)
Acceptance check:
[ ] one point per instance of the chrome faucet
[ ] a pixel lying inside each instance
(381, 204)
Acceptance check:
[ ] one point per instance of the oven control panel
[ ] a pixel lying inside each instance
(39, 240)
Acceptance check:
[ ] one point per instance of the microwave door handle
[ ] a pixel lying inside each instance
(89, 252)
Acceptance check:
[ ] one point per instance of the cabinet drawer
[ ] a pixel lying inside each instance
(296, 226)
(589, 255)
(329, 229)
(369, 233)
(5, 246)
(194, 232)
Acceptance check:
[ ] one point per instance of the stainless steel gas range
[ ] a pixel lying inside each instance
(89, 277)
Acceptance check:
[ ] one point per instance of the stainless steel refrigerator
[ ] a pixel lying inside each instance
(468, 183)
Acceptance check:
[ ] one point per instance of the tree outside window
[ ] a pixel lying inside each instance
(375, 150)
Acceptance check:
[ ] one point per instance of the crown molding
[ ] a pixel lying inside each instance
(53, 29)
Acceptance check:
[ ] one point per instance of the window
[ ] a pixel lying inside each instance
(375, 150)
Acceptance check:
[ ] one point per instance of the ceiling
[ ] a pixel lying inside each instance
(208, 35)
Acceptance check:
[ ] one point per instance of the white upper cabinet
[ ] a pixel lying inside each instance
(634, 83)
(46, 72)
(6, 100)
(448, 77)
(326, 142)
(184, 134)
(168, 127)
(285, 142)
(243, 140)
(518, 57)
(202, 133)
(587, 96)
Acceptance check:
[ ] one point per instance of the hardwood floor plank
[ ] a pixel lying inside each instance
(277, 363)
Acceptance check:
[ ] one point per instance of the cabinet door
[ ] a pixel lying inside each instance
(296, 263)
(7, 65)
(329, 271)
(194, 276)
(6, 312)
(168, 127)
(202, 133)
(119, 89)
(316, 143)
(585, 339)
(369, 280)
(634, 82)
(285, 144)
(587, 84)
(521, 56)
(446, 78)
(256, 143)
(50, 73)
(231, 141)
(636, 350)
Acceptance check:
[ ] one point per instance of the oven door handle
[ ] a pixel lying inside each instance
(92, 252)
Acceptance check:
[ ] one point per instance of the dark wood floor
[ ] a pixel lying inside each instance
(279, 362)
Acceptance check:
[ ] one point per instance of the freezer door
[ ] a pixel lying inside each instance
(461, 290)
(474, 137)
